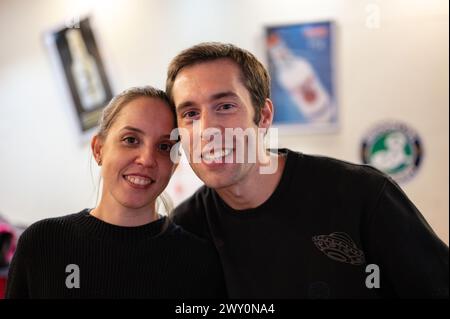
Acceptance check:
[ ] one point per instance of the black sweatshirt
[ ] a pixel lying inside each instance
(113, 261)
(329, 227)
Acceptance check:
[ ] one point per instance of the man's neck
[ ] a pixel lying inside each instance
(256, 188)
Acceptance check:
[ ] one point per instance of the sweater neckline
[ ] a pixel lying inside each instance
(106, 231)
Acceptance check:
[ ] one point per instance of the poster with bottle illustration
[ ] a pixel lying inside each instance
(301, 66)
(75, 48)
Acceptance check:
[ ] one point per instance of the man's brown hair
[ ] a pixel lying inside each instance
(254, 75)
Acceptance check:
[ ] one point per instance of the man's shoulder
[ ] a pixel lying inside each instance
(321, 168)
(191, 213)
(188, 240)
(193, 204)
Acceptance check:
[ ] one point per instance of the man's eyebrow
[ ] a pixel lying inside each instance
(222, 95)
(213, 97)
(184, 105)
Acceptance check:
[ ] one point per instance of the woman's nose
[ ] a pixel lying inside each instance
(146, 157)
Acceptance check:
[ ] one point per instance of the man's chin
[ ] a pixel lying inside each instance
(216, 184)
(215, 181)
(217, 178)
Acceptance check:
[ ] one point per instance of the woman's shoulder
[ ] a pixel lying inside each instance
(49, 228)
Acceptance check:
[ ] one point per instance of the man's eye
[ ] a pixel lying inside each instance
(190, 114)
(226, 106)
(130, 140)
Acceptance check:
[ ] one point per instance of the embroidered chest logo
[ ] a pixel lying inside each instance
(340, 247)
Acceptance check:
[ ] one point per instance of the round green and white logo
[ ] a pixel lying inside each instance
(393, 148)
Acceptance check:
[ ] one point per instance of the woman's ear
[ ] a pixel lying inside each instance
(96, 147)
(266, 115)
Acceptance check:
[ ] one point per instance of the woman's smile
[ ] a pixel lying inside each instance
(139, 181)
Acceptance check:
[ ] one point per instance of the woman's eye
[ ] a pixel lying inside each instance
(165, 147)
(130, 140)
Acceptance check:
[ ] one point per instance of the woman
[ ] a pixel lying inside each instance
(122, 248)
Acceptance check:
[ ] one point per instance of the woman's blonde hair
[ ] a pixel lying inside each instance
(114, 107)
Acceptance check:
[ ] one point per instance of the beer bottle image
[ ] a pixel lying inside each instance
(85, 72)
(297, 76)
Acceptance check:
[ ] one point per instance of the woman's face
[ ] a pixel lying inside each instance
(135, 154)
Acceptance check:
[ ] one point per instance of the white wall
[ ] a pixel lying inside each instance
(397, 71)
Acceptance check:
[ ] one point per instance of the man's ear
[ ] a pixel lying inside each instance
(96, 147)
(266, 115)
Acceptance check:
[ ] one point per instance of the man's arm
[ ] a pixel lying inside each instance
(412, 260)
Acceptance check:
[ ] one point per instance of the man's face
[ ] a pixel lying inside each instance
(211, 95)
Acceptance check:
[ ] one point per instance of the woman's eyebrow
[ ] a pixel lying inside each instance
(131, 128)
(137, 130)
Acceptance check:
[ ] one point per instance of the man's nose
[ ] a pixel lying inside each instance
(210, 127)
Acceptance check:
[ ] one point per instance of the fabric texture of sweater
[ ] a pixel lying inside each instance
(331, 229)
(80, 256)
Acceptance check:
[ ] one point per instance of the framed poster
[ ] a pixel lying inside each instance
(301, 66)
(81, 69)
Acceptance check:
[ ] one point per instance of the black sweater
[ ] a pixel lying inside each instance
(320, 234)
(112, 261)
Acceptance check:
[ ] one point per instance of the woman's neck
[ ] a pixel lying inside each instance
(123, 216)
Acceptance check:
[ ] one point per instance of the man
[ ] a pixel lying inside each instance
(314, 227)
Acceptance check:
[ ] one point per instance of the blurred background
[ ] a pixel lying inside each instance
(391, 63)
